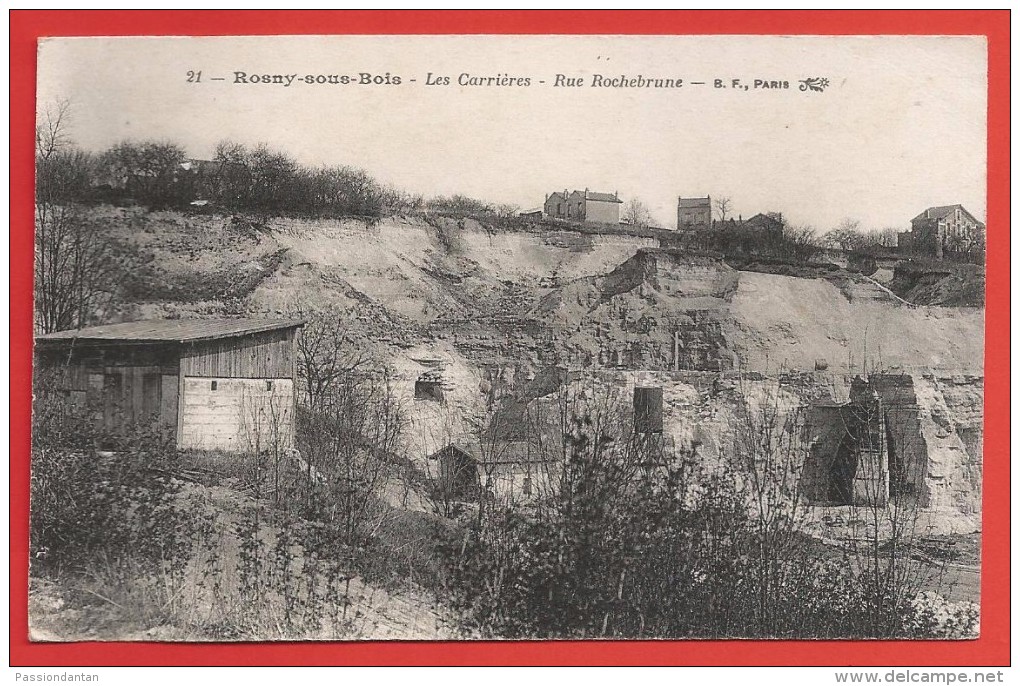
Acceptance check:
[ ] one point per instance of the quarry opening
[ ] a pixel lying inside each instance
(428, 388)
(869, 449)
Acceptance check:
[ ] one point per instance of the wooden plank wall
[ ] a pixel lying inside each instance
(238, 415)
(124, 395)
(266, 355)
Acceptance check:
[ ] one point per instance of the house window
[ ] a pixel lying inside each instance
(212, 385)
(569, 213)
(269, 385)
(527, 485)
(559, 209)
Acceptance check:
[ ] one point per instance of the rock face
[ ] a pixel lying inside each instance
(954, 469)
(928, 452)
(792, 323)
(932, 441)
(659, 310)
(487, 308)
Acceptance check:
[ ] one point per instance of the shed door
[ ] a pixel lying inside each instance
(133, 400)
(114, 420)
(168, 403)
(151, 383)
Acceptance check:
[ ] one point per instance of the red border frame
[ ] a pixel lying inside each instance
(26, 26)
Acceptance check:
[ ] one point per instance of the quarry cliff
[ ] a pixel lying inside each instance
(483, 307)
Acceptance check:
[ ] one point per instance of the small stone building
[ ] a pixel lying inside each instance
(694, 214)
(209, 384)
(584, 206)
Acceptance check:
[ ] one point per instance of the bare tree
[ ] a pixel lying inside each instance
(352, 419)
(967, 242)
(75, 264)
(636, 213)
(888, 237)
(722, 207)
(886, 524)
(802, 241)
(51, 129)
(150, 169)
(326, 355)
(846, 236)
(769, 454)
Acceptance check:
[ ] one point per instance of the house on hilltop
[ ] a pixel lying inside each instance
(208, 384)
(584, 206)
(694, 214)
(947, 230)
(771, 222)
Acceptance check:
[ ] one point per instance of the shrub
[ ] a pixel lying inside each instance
(84, 501)
(630, 546)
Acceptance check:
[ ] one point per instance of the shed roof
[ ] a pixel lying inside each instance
(509, 452)
(169, 330)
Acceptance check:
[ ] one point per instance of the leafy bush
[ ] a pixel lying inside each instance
(632, 547)
(84, 502)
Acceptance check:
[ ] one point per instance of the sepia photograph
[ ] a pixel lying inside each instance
(508, 337)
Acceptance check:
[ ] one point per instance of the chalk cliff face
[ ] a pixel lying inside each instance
(489, 308)
(953, 439)
(660, 309)
(931, 439)
(726, 319)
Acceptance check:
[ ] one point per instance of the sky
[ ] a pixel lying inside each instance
(900, 127)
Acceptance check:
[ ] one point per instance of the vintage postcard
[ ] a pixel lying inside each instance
(508, 337)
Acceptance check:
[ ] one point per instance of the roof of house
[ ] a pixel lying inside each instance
(695, 202)
(586, 194)
(601, 197)
(169, 330)
(943, 211)
(761, 219)
(502, 452)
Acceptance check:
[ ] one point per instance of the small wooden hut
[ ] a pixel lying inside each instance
(210, 384)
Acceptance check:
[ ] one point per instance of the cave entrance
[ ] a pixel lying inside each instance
(898, 481)
(427, 388)
(842, 472)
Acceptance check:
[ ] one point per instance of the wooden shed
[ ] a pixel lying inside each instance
(518, 470)
(210, 384)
